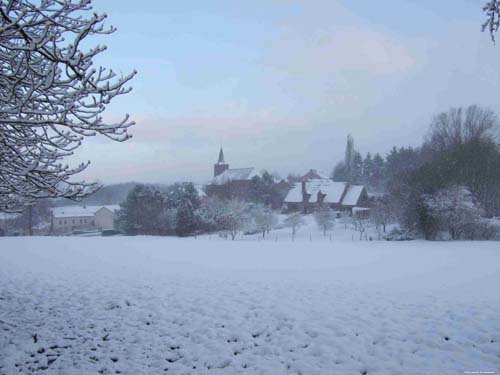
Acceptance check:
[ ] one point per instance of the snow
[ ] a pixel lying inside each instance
(80, 211)
(333, 191)
(150, 305)
(200, 191)
(352, 195)
(234, 174)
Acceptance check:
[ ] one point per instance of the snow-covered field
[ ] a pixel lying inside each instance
(144, 305)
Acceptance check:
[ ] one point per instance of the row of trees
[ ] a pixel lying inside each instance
(368, 171)
(178, 210)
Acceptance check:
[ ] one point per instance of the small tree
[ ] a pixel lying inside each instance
(360, 224)
(233, 217)
(264, 218)
(294, 221)
(325, 219)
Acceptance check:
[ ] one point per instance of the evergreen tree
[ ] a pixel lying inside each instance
(367, 170)
(261, 188)
(377, 179)
(339, 172)
(142, 212)
(349, 155)
(186, 220)
(356, 169)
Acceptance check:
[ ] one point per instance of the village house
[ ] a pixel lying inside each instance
(73, 218)
(315, 191)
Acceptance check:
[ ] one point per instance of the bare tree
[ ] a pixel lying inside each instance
(459, 126)
(264, 218)
(51, 97)
(325, 219)
(294, 221)
(360, 224)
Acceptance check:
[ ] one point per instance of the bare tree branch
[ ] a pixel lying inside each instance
(51, 97)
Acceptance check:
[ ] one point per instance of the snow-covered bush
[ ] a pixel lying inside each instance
(455, 212)
(397, 234)
(233, 218)
(325, 219)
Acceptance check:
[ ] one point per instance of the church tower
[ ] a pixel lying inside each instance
(221, 165)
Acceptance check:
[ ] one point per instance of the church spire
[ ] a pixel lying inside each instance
(221, 157)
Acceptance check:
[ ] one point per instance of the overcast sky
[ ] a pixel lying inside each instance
(279, 84)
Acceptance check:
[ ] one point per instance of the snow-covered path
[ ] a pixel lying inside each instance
(184, 306)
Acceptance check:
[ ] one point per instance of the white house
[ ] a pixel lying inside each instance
(70, 218)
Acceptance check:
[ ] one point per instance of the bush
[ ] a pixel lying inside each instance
(397, 234)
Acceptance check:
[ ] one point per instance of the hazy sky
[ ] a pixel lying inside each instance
(279, 84)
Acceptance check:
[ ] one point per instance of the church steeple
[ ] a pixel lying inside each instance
(221, 157)
(221, 165)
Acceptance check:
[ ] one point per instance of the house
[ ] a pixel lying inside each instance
(314, 191)
(71, 218)
(228, 182)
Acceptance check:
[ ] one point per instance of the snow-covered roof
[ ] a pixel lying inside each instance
(294, 195)
(81, 211)
(332, 189)
(352, 195)
(234, 174)
(333, 192)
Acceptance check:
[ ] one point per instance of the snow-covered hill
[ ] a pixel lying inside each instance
(144, 305)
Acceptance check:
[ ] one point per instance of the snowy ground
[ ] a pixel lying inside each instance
(146, 305)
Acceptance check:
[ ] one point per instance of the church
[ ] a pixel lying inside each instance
(229, 183)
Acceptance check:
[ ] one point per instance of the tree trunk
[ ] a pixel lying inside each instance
(30, 220)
